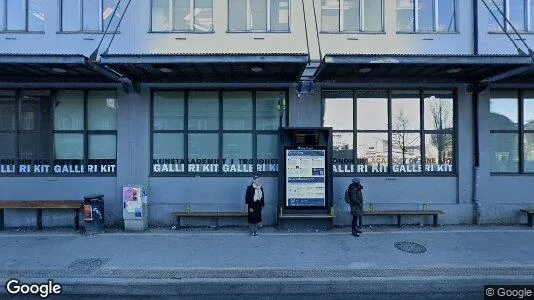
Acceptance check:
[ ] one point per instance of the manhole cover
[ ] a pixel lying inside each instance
(410, 247)
(88, 264)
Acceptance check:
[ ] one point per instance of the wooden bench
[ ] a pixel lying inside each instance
(400, 213)
(39, 206)
(296, 216)
(530, 213)
(204, 214)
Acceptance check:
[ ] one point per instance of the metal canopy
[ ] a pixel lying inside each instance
(53, 69)
(208, 68)
(422, 68)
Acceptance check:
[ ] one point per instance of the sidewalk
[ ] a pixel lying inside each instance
(191, 261)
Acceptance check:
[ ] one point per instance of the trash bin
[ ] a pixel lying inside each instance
(93, 212)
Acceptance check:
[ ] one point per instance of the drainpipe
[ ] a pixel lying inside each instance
(477, 207)
(475, 27)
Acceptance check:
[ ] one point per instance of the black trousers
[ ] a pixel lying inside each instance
(356, 222)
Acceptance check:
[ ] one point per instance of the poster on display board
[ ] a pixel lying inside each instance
(305, 177)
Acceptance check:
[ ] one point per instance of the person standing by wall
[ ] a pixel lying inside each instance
(255, 200)
(354, 197)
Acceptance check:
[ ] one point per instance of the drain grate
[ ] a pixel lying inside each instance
(410, 247)
(87, 264)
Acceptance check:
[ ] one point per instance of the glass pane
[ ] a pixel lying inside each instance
(258, 14)
(68, 111)
(169, 110)
(35, 145)
(181, 15)
(405, 110)
(203, 110)
(204, 15)
(504, 153)
(517, 14)
(102, 110)
(237, 110)
(102, 146)
(528, 110)
(446, 16)
(237, 150)
(405, 15)
(280, 15)
(504, 112)
(8, 149)
(16, 15)
(338, 113)
(237, 15)
(107, 14)
(425, 14)
(493, 25)
(439, 111)
(351, 15)
(267, 147)
(8, 114)
(160, 15)
(168, 145)
(406, 152)
(70, 15)
(2, 16)
(439, 152)
(267, 113)
(529, 152)
(91, 15)
(68, 146)
(203, 150)
(343, 156)
(330, 15)
(372, 152)
(35, 111)
(36, 16)
(372, 110)
(373, 15)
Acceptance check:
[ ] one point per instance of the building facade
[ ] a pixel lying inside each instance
(430, 101)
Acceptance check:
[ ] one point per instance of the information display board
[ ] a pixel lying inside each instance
(305, 177)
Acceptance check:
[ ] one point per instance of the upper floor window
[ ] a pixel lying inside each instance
(426, 15)
(22, 15)
(88, 15)
(517, 12)
(258, 15)
(182, 15)
(352, 16)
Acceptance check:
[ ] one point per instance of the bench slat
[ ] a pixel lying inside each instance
(209, 214)
(403, 212)
(41, 204)
(306, 216)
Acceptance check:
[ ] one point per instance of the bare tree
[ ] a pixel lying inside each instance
(441, 111)
(400, 138)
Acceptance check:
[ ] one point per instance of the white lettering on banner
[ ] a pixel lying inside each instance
(267, 168)
(397, 168)
(238, 168)
(7, 168)
(68, 168)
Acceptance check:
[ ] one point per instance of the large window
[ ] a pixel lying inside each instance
(215, 132)
(391, 132)
(89, 15)
(518, 12)
(512, 131)
(426, 15)
(57, 132)
(352, 16)
(258, 15)
(182, 16)
(22, 15)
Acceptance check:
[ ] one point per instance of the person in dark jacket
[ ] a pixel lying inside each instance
(255, 200)
(355, 200)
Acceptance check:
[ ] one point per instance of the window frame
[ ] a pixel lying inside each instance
(521, 131)
(171, 19)
(220, 133)
(81, 18)
(3, 26)
(390, 131)
(361, 23)
(435, 19)
(51, 143)
(249, 25)
(527, 14)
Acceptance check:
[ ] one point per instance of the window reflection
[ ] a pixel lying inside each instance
(405, 113)
(505, 154)
(373, 151)
(504, 110)
(439, 110)
(372, 110)
(338, 113)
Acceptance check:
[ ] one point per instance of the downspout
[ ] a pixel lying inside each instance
(477, 207)
(475, 27)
